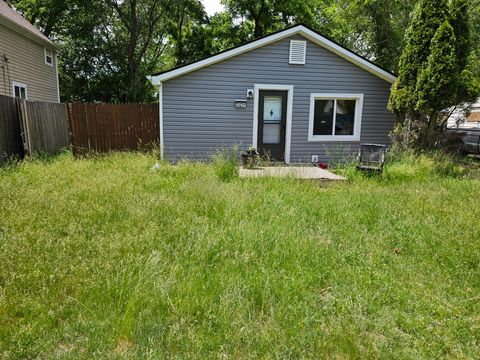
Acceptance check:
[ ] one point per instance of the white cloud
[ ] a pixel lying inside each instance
(212, 6)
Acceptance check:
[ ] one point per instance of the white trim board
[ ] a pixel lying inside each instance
(357, 125)
(300, 30)
(56, 77)
(160, 112)
(288, 132)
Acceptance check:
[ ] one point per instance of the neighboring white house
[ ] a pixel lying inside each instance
(458, 119)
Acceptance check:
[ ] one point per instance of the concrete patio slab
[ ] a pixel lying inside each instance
(299, 172)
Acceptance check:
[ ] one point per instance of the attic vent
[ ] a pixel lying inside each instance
(298, 50)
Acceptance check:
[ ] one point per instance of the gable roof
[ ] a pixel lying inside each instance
(13, 19)
(303, 30)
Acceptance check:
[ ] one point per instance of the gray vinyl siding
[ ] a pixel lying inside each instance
(199, 116)
(26, 64)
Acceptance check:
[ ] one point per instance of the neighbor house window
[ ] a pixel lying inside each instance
(19, 90)
(48, 57)
(335, 117)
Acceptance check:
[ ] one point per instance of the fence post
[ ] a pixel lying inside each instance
(25, 125)
(70, 126)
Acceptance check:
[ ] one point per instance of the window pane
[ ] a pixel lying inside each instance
(323, 117)
(272, 109)
(344, 121)
(271, 133)
(17, 91)
(22, 93)
(48, 56)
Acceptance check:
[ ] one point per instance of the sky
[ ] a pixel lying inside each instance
(212, 6)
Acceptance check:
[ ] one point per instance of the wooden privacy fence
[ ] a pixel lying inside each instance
(44, 127)
(10, 137)
(28, 127)
(105, 127)
(31, 127)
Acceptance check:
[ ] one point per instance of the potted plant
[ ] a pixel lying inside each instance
(250, 157)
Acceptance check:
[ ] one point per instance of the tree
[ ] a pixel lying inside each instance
(141, 24)
(271, 15)
(45, 14)
(186, 31)
(223, 32)
(428, 17)
(381, 25)
(260, 12)
(433, 74)
(92, 64)
(437, 82)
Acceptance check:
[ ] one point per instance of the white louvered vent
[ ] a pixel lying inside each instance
(298, 50)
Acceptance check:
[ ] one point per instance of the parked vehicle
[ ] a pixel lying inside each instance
(463, 140)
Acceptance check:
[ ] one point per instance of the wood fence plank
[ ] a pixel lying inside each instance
(10, 130)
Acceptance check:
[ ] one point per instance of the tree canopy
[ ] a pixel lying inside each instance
(108, 47)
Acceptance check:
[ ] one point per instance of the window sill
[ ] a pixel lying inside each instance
(333, 138)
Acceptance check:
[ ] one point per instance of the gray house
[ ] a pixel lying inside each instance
(293, 94)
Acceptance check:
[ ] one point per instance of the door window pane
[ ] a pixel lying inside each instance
(345, 117)
(272, 109)
(271, 133)
(323, 117)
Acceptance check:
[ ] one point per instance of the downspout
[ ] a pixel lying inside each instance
(56, 76)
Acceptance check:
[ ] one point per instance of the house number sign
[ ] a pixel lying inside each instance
(240, 104)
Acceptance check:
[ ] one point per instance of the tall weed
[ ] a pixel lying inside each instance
(225, 163)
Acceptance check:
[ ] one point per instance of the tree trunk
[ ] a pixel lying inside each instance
(132, 64)
(258, 31)
(133, 75)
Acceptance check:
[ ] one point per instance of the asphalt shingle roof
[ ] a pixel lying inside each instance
(6, 12)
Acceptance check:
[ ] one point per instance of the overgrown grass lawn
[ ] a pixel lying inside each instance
(104, 258)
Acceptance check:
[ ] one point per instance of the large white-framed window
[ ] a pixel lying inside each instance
(19, 90)
(48, 57)
(335, 117)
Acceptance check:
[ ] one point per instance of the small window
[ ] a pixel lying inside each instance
(298, 49)
(48, 57)
(335, 117)
(19, 90)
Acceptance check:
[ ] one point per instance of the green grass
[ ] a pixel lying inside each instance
(104, 258)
